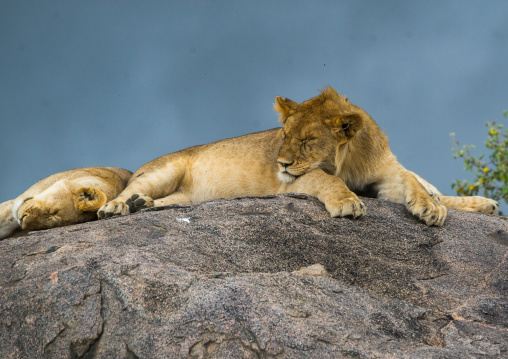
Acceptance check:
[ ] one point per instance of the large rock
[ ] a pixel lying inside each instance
(269, 277)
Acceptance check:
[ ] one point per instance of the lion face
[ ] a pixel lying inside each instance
(314, 133)
(61, 204)
(307, 145)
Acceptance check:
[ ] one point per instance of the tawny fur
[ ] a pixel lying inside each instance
(62, 199)
(327, 148)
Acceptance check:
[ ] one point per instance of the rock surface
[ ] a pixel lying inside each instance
(268, 277)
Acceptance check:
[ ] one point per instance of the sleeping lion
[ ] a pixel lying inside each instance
(62, 199)
(327, 148)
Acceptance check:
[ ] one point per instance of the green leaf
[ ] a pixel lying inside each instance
(494, 182)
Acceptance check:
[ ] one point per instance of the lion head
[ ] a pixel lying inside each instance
(315, 133)
(62, 204)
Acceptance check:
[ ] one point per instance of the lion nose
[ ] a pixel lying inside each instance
(284, 163)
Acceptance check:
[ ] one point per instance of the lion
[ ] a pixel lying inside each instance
(326, 147)
(62, 199)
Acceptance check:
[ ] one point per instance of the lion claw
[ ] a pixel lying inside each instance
(428, 210)
(348, 207)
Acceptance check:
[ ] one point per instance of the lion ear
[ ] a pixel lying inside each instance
(87, 199)
(285, 107)
(345, 127)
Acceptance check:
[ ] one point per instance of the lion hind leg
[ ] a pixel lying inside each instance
(175, 197)
(143, 189)
(471, 204)
(8, 223)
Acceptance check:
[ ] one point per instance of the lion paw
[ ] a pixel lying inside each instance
(113, 208)
(353, 207)
(484, 205)
(139, 201)
(428, 210)
(118, 208)
(489, 206)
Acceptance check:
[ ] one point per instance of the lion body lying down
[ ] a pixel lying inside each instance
(327, 148)
(62, 199)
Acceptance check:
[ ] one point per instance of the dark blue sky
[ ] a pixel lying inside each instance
(119, 83)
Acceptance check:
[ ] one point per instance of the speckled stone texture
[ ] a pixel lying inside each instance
(224, 279)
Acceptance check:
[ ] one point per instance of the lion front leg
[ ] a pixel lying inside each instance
(431, 190)
(467, 203)
(401, 186)
(338, 199)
